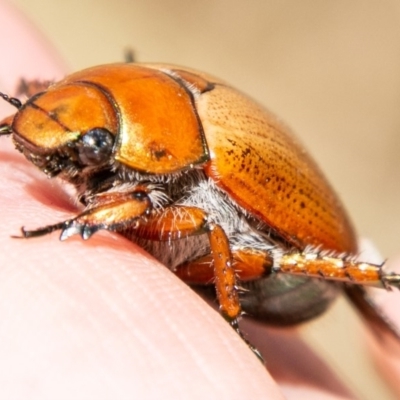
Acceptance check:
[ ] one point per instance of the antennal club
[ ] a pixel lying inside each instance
(11, 100)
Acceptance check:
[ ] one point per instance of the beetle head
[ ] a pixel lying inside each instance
(117, 117)
(65, 129)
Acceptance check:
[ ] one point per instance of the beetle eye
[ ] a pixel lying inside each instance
(95, 146)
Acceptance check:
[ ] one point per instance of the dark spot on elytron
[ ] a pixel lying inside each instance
(158, 154)
(246, 152)
(302, 204)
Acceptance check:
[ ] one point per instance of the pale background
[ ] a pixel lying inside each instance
(331, 70)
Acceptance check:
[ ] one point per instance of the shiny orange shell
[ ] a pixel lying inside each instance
(257, 161)
(168, 119)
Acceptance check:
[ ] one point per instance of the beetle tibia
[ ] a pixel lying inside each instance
(338, 268)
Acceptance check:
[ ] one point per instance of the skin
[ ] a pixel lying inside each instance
(101, 319)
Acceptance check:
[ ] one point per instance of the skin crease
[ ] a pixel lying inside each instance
(101, 319)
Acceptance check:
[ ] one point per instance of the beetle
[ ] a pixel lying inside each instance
(206, 180)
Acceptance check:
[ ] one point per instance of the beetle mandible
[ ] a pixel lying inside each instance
(206, 180)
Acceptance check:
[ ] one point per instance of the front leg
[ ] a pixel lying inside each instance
(111, 211)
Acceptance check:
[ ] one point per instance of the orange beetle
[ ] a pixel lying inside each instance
(206, 180)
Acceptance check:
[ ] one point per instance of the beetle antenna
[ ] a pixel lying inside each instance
(11, 100)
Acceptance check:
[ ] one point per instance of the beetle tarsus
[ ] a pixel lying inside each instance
(5, 130)
(25, 234)
(68, 228)
(391, 280)
(235, 325)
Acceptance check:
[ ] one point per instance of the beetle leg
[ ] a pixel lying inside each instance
(173, 223)
(224, 274)
(339, 268)
(129, 55)
(178, 222)
(110, 212)
(29, 88)
(248, 264)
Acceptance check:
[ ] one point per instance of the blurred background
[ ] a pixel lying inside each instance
(330, 70)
